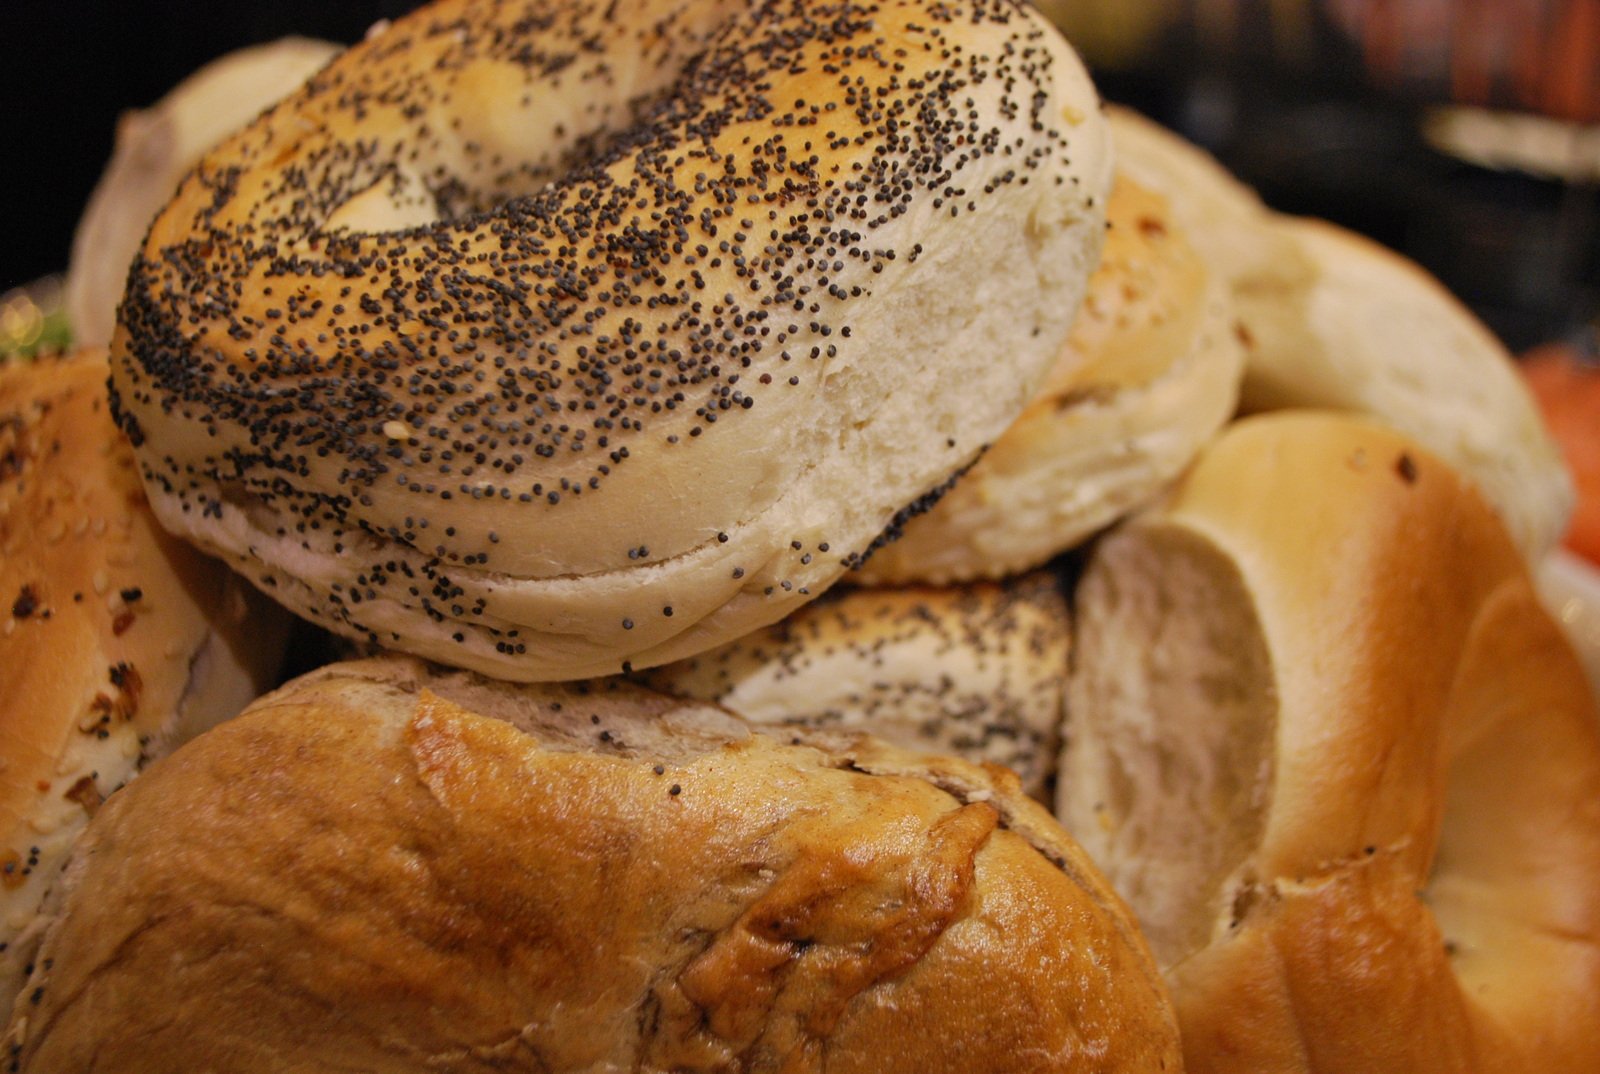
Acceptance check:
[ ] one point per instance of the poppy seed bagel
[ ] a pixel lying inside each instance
(545, 338)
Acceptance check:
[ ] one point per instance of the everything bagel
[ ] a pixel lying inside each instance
(117, 642)
(548, 338)
(394, 869)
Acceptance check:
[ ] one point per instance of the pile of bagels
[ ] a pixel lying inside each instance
(835, 550)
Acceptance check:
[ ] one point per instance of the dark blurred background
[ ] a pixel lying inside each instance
(1334, 108)
(1324, 107)
(72, 66)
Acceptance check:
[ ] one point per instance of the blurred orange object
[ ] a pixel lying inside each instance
(1568, 389)
(1538, 55)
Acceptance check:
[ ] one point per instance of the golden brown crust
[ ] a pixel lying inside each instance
(1418, 887)
(114, 637)
(978, 671)
(1149, 374)
(539, 341)
(366, 872)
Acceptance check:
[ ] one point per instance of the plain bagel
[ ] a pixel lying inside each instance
(392, 869)
(1333, 320)
(117, 642)
(1326, 741)
(1370, 331)
(543, 340)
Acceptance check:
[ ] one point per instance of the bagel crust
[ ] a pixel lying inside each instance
(1332, 320)
(117, 642)
(1149, 374)
(543, 338)
(1327, 742)
(389, 869)
(975, 671)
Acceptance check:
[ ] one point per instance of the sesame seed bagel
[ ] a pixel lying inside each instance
(1346, 768)
(544, 338)
(117, 641)
(392, 869)
(1149, 374)
(978, 671)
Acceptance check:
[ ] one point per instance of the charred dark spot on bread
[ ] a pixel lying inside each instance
(26, 603)
(15, 450)
(1152, 228)
(12, 873)
(1406, 467)
(130, 687)
(86, 794)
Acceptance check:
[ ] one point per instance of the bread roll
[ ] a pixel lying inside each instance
(384, 868)
(155, 146)
(978, 671)
(116, 641)
(1149, 374)
(544, 339)
(1333, 320)
(1325, 739)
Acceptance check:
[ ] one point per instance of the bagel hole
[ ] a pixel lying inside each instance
(488, 157)
(1512, 869)
(1167, 771)
(394, 201)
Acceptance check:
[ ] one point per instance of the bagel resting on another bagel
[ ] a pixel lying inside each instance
(547, 338)
(1149, 374)
(155, 148)
(977, 671)
(1331, 319)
